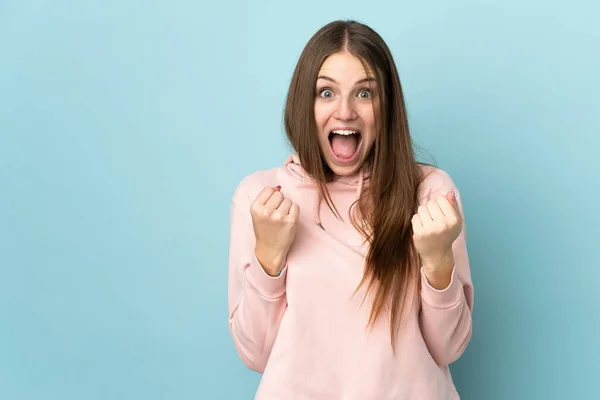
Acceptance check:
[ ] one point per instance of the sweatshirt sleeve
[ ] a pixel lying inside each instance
(256, 301)
(445, 317)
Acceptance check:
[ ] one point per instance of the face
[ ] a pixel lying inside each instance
(346, 95)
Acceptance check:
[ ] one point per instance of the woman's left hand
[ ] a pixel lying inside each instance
(436, 226)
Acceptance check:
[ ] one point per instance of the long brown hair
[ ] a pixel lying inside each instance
(387, 205)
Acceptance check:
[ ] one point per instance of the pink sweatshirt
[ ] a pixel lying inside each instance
(306, 332)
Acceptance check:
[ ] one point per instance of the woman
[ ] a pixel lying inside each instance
(349, 275)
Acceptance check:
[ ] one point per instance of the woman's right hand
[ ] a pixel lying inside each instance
(274, 218)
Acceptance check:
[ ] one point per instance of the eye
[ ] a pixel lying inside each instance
(326, 93)
(364, 94)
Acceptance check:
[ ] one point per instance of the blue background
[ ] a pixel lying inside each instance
(126, 126)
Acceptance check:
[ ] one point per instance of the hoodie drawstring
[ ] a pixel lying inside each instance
(318, 200)
(317, 209)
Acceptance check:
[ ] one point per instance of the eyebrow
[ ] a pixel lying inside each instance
(367, 79)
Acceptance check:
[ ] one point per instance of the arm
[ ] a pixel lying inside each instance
(257, 301)
(445, 316)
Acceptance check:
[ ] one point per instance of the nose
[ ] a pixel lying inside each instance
(345, 110)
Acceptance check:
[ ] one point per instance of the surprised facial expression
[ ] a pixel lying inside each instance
(345, 112)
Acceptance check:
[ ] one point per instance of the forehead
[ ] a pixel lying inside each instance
(344, 65)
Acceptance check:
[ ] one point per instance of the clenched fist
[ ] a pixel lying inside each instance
(436, 226)
(274, 218)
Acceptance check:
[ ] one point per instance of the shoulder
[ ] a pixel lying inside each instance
(435, 181)
(250, 185)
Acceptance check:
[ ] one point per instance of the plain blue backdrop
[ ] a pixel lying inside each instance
(125, 126)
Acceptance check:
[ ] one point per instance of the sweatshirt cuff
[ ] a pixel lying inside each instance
(270, 287)
(445, 298)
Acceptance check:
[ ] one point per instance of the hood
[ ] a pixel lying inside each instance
(358, 179)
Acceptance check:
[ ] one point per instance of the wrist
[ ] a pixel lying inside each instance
(272, 264)
(443, 260)
(438, 270)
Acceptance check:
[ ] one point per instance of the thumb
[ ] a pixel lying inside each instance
(451, 196)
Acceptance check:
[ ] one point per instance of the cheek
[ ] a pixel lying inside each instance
(321, 115)
(368, 116)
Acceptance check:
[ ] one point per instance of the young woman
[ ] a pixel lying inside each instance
(348, 275)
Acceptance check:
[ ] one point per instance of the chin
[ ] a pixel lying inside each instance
(345, 168)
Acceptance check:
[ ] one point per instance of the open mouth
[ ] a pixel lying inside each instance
(344, 144)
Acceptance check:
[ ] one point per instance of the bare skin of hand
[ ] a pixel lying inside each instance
(436, 226)
(274, 218)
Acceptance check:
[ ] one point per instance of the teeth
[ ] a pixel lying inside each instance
(345, 132)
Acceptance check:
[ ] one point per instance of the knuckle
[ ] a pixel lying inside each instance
(276, 216)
